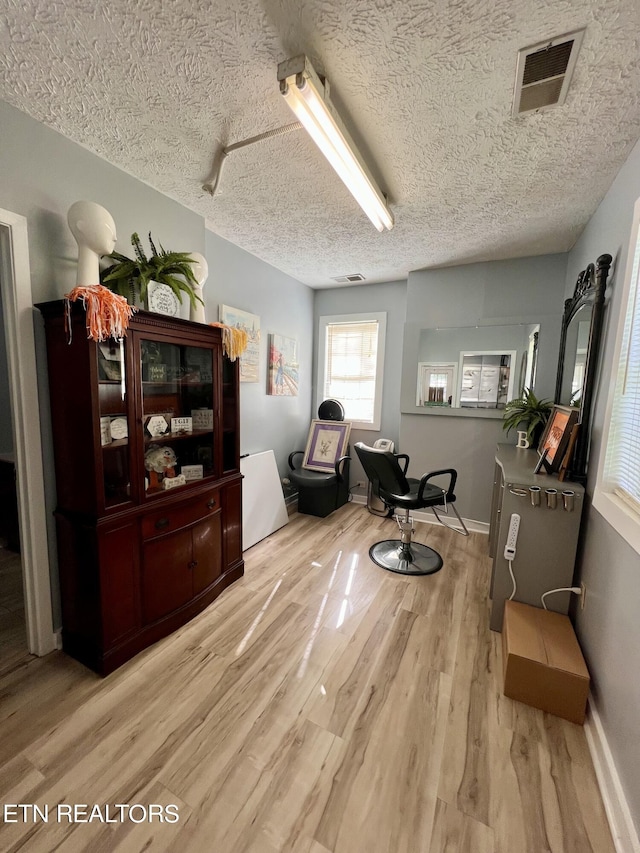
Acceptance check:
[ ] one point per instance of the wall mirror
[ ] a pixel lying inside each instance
(578, 359)
(476, 367)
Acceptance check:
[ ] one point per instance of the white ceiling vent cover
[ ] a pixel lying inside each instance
(544, 72)
(349, 279)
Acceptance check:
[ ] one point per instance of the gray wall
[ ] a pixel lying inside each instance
(525, 290)
(285, 307)
(609, 627)
(391, 298)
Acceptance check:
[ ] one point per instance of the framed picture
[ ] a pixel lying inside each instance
(250, 323)
(327, 442)
(556, 436)
(283, 366)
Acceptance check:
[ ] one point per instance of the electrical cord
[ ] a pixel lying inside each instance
(575, 589)
(513, 579)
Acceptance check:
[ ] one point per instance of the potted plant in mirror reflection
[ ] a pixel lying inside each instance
(131, 277)
(527, 414)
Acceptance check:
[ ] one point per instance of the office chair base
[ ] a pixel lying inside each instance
(411, 559)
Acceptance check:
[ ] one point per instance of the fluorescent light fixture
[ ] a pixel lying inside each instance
(308, 97)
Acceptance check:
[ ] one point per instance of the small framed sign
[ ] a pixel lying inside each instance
(192, 472)
(157, 372)
(202, 418)
(105, 431)
(181, 426)
(157, 425)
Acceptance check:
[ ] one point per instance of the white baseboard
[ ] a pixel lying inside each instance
(429, 518)
(625, 837)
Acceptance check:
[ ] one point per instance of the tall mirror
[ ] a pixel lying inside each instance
(579, 348)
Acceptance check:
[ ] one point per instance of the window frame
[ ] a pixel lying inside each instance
(335, 319)
(615, 510)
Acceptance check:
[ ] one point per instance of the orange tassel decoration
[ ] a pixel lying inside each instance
(108, 313)
(234, 341)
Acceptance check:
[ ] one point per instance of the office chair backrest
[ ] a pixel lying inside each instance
(383, 470)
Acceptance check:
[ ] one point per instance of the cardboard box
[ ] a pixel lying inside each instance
(542, 662)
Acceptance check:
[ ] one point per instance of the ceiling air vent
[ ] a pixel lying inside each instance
(349, 279)
(544, 72)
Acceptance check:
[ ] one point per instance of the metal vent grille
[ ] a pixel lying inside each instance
(349, 279)
(548, 62)
(544, 72)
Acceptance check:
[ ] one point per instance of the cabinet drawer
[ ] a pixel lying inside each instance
(175, 517)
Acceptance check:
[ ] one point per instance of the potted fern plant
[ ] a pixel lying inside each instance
(131, 277)
(527, 413)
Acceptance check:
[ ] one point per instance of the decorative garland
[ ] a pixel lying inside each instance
(108, 313)
(234, 341)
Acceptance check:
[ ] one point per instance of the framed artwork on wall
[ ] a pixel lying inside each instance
(250, 323)
(283, 366)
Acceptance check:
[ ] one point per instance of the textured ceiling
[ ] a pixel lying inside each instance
(425, 87)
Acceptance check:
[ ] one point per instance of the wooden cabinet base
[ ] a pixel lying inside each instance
(105, 663)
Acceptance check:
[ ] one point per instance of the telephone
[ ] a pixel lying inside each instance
(384, 444)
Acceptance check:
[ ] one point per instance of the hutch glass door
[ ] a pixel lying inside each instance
(177, 414)
(114, 422)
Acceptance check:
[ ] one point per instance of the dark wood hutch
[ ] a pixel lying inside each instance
(149, 502)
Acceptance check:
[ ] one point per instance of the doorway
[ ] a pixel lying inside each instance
(26, 452)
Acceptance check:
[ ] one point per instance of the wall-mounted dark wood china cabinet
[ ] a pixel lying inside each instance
(149, 508)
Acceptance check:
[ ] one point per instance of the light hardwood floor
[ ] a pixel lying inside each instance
(13, 631)
(320, 705)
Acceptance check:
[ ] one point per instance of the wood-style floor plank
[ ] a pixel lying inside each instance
(320, 705)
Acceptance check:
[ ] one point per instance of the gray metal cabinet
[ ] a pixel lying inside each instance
(547, 537)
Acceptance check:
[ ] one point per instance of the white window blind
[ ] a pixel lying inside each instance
(622, 468)
(351, 357)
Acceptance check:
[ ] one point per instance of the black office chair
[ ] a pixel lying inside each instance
(390, 483)
(320, 493)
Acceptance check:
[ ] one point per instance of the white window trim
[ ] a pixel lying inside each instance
(613, 509)
(327, 320)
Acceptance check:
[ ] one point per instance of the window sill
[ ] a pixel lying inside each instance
(620, 516)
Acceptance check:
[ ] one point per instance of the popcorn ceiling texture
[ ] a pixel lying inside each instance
(425, 87)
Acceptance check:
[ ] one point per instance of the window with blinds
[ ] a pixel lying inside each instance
(617, 492)
(622, 468)
(352, 365)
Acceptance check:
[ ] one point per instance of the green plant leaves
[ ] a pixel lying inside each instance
(131, 277)
(527, 410)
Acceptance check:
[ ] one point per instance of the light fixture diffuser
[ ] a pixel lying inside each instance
(308, 97)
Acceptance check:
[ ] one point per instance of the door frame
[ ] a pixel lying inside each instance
(17, 301)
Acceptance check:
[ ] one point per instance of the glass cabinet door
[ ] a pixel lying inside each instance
(114, 422)
(177, 414)
(230, 426)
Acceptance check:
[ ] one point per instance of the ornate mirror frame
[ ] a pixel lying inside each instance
(590, 290)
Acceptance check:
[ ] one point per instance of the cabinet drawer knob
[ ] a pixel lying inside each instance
(193, 564)
(211, 503)
(161, 523)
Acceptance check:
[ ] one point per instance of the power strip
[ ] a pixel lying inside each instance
(512, 537)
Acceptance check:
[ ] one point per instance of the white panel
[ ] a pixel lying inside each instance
(263, 507)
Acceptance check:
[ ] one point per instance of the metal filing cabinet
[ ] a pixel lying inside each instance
(547, 537)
